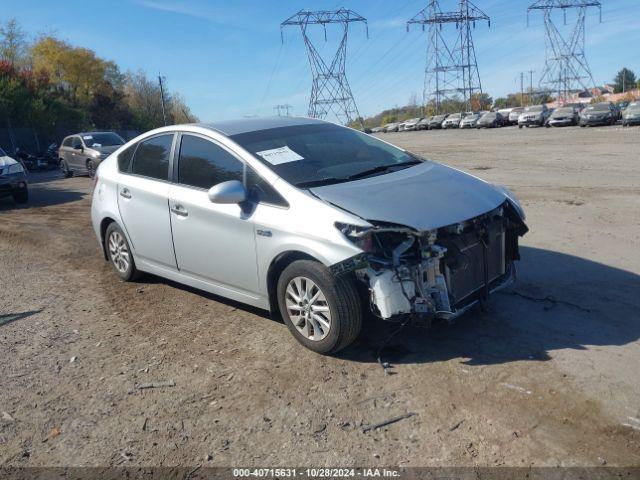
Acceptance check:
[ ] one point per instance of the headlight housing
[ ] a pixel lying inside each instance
(514, 201)
(360, 236)
(15, 168)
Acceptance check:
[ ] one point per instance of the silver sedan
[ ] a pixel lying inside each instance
(315, 222)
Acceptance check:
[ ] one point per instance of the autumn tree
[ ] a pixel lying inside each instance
(13, 43)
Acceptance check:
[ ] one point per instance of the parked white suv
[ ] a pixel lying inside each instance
(307, 219)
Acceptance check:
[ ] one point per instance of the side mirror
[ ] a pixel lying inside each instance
(232, 191)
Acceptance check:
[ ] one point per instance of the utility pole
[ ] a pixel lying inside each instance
(566, 68)
(522, 89)
(452, 66)
(531, 87)
(164, 115)
(330, 90)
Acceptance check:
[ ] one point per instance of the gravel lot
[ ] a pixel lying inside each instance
(526, 383)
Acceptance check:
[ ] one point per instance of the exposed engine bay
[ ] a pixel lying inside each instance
(436, 274)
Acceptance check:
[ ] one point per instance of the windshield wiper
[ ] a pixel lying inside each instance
(319, 183)
(382, 169)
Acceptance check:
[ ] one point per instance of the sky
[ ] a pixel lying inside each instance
(228, 60)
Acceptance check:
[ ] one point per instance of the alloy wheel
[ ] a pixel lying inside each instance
(308, 308)
(119, 252)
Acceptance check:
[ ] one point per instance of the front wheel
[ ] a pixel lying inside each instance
(91, 169)
(21, 195)
(322, 311)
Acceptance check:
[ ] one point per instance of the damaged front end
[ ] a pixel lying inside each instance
(435, 274)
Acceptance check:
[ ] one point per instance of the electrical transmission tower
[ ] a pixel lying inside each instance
(452, 67)
(283, 110)
(566, 70)
(330, 90)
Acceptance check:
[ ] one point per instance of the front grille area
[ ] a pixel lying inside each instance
(465, 264)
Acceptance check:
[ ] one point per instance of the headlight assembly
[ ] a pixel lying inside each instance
(514, 201)
(360, 236)
(15, 168)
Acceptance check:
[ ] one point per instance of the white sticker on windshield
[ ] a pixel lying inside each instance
(87, 137)
(280, 155)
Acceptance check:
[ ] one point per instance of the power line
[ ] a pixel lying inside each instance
(330, 90)
(283, 110)
(566, 68)
(452, 67)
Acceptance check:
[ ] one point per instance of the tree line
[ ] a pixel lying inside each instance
(49, 85)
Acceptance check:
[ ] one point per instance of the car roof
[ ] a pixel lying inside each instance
(245, 125)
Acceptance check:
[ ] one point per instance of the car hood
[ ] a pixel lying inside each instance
(6, 161)
(423, 197)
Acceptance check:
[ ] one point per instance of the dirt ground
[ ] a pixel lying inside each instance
(530, 382)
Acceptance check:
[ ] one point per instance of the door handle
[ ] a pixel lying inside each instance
(179, 210)
(125, 193)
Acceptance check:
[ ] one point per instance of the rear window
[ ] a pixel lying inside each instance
(124, 159)
(152, 157)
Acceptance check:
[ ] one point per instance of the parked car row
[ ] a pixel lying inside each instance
(605, 113)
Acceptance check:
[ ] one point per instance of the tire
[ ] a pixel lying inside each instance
(119, 253)
(519, 126)
(21, 195)
(91, 169)
(64, 168)
(341, 299)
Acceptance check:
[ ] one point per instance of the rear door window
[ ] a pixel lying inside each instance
(151, 159)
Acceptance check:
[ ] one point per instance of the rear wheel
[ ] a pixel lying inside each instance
(21, 195)
(119, 253)
(323, 312)
(64, 168)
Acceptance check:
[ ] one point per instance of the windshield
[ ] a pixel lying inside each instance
(600, 107)
(2, 153)
(455, 116)
(563, 111)
(489, 116)
(314, 155)
(634, 106)
(535, 108)
(438, 118)
(107, 139)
